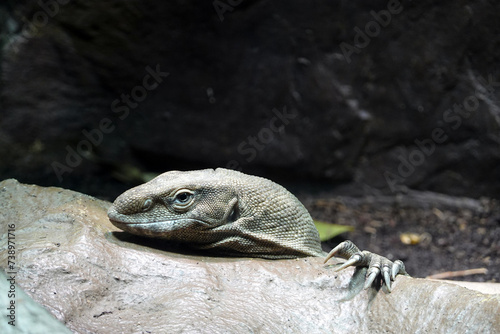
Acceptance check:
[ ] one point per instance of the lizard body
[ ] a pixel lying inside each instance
(233, 214)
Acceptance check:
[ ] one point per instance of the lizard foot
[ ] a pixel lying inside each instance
(377, 265)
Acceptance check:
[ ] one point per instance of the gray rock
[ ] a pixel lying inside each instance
(21, 314)
(96, 279)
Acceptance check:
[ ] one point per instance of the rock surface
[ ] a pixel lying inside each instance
(262, 86)
(29, 317)
(95, 279)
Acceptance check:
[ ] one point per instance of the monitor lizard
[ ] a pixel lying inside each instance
(235, 214)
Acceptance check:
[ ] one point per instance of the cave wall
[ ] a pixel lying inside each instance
(378, 95)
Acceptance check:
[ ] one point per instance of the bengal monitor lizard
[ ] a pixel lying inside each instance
(235, 214)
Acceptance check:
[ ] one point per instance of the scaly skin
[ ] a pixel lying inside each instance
(234, 214)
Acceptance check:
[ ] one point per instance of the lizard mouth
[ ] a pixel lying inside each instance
(117, 222)
(152, 227)
(120, 219)
(169, 230)
(117, 218)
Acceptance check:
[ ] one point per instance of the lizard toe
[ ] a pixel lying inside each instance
(345, 250)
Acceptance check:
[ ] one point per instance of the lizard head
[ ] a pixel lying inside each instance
(221, 210)
(175, 205)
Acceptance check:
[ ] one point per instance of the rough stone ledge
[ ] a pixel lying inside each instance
(96, 279)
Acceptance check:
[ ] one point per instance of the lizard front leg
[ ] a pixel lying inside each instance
(376, 264)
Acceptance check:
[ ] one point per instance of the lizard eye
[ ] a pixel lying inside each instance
(148, 203)
(183, 199)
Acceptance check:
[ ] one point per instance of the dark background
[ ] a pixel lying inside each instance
(361, 98)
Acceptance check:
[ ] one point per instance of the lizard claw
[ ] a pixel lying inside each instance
(355, 260)
(370, 276)
(398, 268)
(378, 266)
(387, 277)
(345, 250)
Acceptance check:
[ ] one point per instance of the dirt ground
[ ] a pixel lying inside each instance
(432, 233)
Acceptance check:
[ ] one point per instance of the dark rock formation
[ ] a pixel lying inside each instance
(384, 94)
